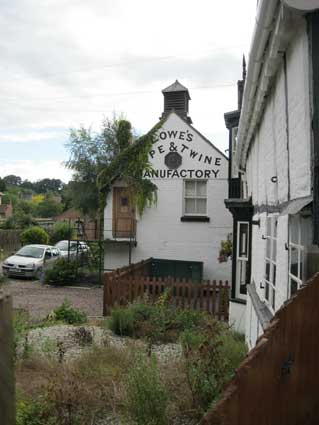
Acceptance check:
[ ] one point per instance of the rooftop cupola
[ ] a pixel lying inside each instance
(176, 98)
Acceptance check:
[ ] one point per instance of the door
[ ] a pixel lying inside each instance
(123, 223)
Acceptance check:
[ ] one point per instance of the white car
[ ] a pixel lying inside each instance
(76, 248)
(30, 260)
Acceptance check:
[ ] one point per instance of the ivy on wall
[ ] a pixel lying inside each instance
(129, 167)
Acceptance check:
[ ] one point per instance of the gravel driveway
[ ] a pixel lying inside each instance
(39, 299)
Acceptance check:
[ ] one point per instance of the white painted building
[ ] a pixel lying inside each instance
(277, 155)
(190, 219)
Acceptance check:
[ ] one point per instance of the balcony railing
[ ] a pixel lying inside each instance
(120, 229)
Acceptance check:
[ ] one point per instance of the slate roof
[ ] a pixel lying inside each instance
(177, 86)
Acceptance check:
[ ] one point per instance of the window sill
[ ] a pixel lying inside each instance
(198, 218)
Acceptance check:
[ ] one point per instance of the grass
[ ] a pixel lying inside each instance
(125, 382)
(102, 382)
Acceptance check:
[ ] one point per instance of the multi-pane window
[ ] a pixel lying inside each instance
(271, 262)
(242, 257)
(195, 197)
(296, 254)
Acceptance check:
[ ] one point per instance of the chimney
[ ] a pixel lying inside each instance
(176, 98)
(241, 85)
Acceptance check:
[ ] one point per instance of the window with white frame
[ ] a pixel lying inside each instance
(195, 197)
(271, 261)
(242, 258)
(296, 254)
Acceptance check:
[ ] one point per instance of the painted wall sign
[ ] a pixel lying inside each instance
(194, 154)
(183, 173)
(175, 134)
(173, 160)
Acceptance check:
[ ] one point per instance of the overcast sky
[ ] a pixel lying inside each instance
(71, 62)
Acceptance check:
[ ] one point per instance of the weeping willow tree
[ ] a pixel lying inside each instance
(89, 153)
(129, 166)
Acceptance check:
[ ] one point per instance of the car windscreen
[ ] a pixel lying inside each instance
(63, 245)
(30, 251)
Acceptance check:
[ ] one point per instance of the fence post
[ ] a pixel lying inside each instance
(105, 295)
(7, 391)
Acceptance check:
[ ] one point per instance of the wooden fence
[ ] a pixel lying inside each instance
(9, 242)
(137, 269)
(278, 382)
(7, 405)
(128, 284)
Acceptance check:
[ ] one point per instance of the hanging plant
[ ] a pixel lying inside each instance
(226, 249)
(129, 166)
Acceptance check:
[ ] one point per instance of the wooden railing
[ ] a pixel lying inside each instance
(7, 405)
(278, 381)
(127, 285)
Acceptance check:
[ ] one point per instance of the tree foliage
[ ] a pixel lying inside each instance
(48, 185)
(49, 207)
(3, 186)
(61, 231)
(34, 235)
(129, 165)
(90, 153)
(12, 180)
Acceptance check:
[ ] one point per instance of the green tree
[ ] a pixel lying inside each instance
(48, 185)
(12, 180)
(3, 186)
(48, 208)
(90, 153)
(61, 231)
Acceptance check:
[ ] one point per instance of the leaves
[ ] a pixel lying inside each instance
(129, 166)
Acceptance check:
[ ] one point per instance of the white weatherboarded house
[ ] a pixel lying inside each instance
(277, 154)
(190, 219)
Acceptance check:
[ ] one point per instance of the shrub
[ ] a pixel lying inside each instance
(159, 322)
(33, 235)
(68, 314)
(212, 353)
(61, 231)
(121, 321)
(62, 272)
(21, 325)
(146, 399)
(34, 412)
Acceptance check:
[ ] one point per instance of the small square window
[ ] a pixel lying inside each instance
(124, 201)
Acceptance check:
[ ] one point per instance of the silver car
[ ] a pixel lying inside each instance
(30, 260)
(73, 249)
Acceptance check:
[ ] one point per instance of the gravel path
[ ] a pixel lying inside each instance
(44, 340)
(39, 300)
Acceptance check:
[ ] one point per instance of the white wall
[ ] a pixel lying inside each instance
(237, 316)
(160, 231)
(268, 154)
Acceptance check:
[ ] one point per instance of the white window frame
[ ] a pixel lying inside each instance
(300, 249)
(270, 284)
(194, 197)
(241, 260)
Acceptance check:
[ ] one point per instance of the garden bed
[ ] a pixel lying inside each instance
(146, 364)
